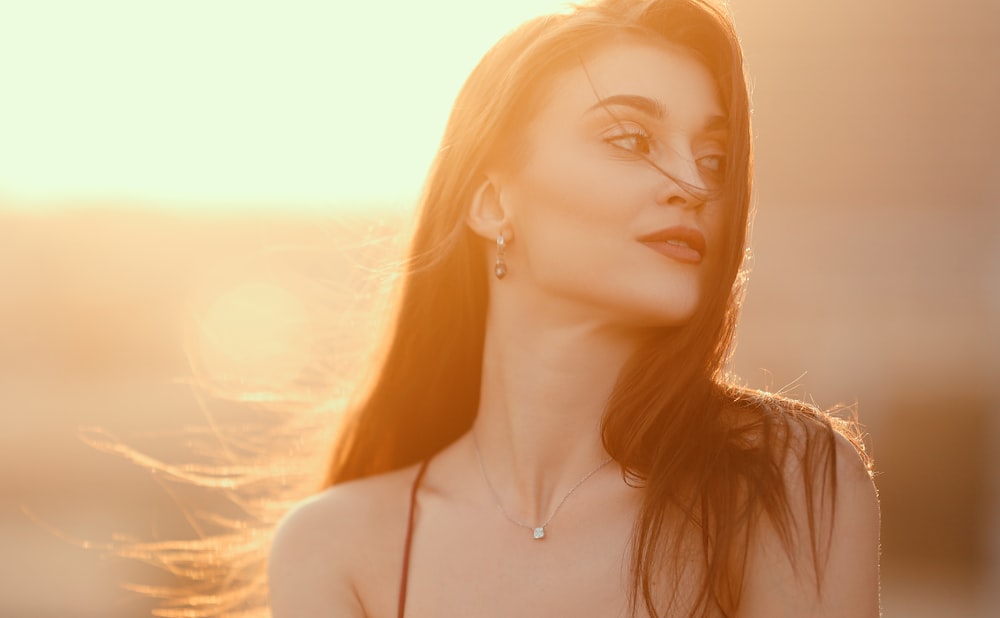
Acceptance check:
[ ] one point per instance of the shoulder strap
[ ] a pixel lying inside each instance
(409, 538)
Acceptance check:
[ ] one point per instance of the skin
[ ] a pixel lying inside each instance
(580, 292)
(575, 209)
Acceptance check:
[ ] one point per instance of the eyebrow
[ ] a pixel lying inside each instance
(651, 107)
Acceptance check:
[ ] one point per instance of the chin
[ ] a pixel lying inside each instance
(670, 307)
(666, 320)
(662, 314)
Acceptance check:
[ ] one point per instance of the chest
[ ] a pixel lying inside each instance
(479, 565)
(515, 575)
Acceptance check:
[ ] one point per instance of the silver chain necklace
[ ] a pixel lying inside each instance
(537, 532)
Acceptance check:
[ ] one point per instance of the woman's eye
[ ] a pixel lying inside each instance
(715, 164)
(631, 139)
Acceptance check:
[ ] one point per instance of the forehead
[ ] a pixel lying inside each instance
(631, 65)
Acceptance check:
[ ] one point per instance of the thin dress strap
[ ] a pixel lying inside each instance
(409, 538)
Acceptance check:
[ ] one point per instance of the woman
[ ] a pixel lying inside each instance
(549, 431)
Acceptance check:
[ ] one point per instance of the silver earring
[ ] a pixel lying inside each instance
(500, 269)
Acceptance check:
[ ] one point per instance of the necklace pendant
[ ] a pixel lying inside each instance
(538, 533)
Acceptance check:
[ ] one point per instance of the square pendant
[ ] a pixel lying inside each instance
(538, 533)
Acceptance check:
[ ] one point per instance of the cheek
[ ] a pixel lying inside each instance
(715, 222)
(566, 186)
(570, 212)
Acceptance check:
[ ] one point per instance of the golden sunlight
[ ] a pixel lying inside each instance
(256, 335)
(189, 104)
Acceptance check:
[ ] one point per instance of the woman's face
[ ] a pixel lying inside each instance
(595, 226)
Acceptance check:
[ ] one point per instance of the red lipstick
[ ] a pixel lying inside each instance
(681, 243)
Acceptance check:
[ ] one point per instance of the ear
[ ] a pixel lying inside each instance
(486, 215)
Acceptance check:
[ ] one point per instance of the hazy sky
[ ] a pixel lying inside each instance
(184, 103)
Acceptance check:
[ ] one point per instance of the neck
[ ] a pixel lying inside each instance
(544, 387)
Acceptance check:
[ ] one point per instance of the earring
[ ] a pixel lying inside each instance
(500, 269)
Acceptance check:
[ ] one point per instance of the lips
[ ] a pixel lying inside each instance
(680, 243)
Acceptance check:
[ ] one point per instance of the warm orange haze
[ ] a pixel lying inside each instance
(875, 270)
(232, 105)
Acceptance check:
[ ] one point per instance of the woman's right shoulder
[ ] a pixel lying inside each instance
(347, 533)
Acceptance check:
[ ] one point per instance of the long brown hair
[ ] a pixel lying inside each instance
(700, 446)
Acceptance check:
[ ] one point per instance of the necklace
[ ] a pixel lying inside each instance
(537, 532)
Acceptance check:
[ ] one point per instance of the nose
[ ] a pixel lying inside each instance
(680, 183)
(676, 199)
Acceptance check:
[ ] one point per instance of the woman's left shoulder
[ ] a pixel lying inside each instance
(825, 562)
(797, 434)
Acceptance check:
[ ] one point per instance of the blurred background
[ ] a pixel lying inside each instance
(223, 179)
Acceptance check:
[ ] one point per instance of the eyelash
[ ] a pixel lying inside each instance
(634, 132)
(628, 132)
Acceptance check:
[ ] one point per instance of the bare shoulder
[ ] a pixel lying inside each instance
(798, 435)
(327, 543)
(825, 563)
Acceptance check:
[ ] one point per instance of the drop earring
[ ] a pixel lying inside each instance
(500, 269)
